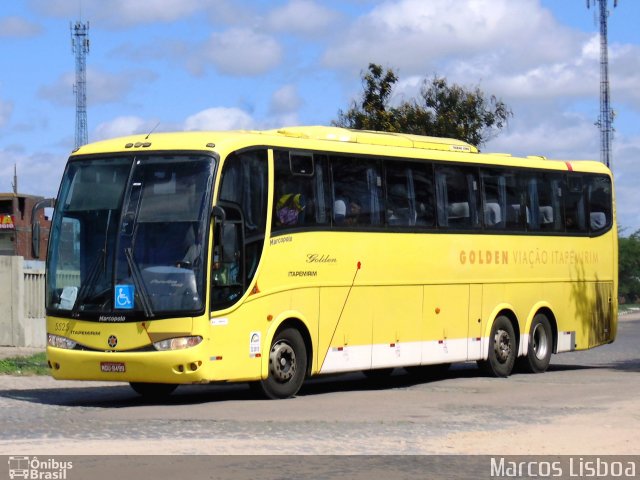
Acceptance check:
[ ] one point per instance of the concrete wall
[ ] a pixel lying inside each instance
(22, 315)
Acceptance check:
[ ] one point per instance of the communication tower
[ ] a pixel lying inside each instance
(80, 49)
(605, 119)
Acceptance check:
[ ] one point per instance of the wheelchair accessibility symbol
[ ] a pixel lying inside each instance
(123, 297)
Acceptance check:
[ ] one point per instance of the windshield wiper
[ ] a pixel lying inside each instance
(89, 284)
(138, 281)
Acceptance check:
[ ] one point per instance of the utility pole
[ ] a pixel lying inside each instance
(605, 118)
(80, 48)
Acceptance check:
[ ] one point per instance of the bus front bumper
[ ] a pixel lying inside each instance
(176, 367)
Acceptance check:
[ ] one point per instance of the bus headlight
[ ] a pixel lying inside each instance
(178, 343)
(60, 342)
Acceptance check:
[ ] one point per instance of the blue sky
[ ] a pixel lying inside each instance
(225, 64)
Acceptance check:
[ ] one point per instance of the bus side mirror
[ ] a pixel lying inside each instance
(218, 214)
(35, 223)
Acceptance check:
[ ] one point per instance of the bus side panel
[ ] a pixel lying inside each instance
(476, 323)
(305, 306)
(237, 343)
(397, 326)
(587, 320)
(446, 314)
(346, 326)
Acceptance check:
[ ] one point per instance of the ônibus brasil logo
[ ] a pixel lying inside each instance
(33, 468)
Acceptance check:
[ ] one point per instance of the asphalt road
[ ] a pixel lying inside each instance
(585, 404)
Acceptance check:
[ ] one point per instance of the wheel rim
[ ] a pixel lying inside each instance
(539, 341)
(282, 361)
(502, 345)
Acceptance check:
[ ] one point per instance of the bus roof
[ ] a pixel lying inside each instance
(321, 137)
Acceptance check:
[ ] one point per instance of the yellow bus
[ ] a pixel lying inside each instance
(272, 256)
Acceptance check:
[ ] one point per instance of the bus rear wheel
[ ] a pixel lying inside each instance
(287, 365)
(540, 346)
(153, 390)
(503, 349)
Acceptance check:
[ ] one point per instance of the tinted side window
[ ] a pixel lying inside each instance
(574, 204)
(600, 199)
(244, 181)
(457, 196)
(502, 201)
(410, 199)
(544, 210)
(301, 194)
(357, 192)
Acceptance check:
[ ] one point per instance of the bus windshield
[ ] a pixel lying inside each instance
(129, 236)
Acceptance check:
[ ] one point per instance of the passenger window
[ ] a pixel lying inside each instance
(410, 194)
(600, 215)
(503, 205)
(357, 192)
(301, 190)
(244, 181)
(457, 196)
(575, 208)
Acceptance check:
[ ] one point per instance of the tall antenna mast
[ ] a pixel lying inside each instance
(80, 48)
(14, 185)
(605, 119)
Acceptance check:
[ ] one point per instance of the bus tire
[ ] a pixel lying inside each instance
(540, 346)
(287, 365)
(153, 390)
(503, 349)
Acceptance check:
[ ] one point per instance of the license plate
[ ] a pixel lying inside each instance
(112, 367)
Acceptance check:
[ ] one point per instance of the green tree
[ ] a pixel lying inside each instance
(372, 111)
(629, 266)
(441, 110)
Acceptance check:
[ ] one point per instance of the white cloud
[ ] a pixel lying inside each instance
(32, 169)
(417, 36)
(626, 167)
(219, 118)
(551, 132)
(122, 126)
(240, 51)
(285, 100)
(624, 74)
(6, 109)
(304, 17)
(18, 27)
(102, 87)
(122, 13)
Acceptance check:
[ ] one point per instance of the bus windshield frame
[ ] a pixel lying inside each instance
(129, 237)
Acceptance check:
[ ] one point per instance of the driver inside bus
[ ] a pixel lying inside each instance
(194, 249)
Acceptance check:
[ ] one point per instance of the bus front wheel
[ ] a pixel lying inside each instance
(503, 349)
(540, 346)
(287, 365)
